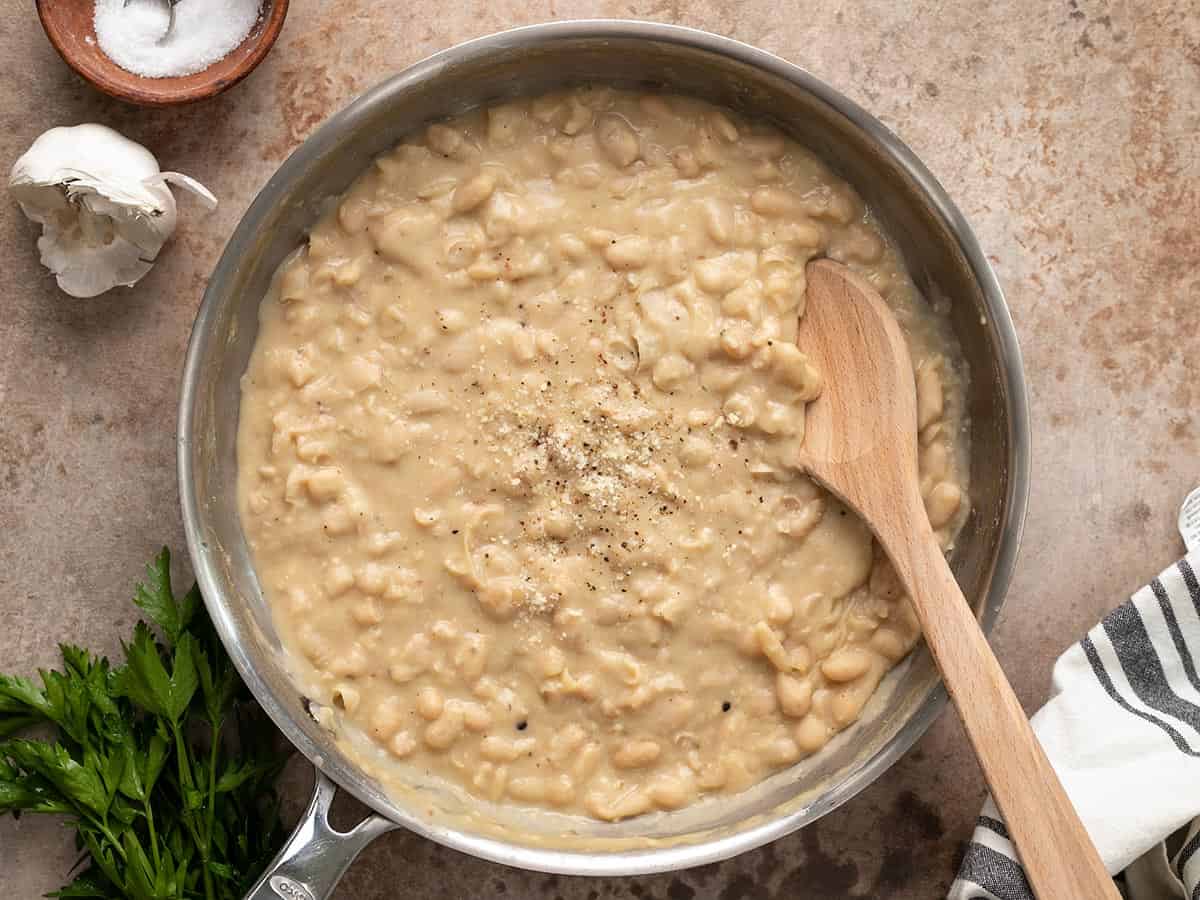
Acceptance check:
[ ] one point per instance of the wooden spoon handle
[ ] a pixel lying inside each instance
(1059, 858)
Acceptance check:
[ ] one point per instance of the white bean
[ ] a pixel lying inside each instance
(502, 749)
(636, 754)
(929, 392)
(671, 370)
(628, 253)
(795, 369)
(473, 192)
(386, 718)
(443, 732)
(942, 503)
(617, 140)
(811, 734)
(795, 695)
(444, 140)
(430, 703)
(846, 664)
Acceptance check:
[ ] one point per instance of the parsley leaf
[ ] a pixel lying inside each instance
(158, 601)
(145, 681)
(79, 784)
(21, 704)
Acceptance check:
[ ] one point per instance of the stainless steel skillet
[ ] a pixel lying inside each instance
(943, 256)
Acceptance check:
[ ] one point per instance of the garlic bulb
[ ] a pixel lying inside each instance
(104, 206)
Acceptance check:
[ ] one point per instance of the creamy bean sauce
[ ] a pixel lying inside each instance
(516, 456)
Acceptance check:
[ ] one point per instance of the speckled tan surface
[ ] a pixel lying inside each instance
(1065, 130)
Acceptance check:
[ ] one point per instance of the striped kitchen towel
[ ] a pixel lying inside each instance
(1122, 729)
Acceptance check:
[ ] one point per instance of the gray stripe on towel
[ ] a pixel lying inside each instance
(1102, 676)
(1188, 851)
(1181, 647)
(1193, 586)
(994, 825)
(1143, 669)
(995, 872)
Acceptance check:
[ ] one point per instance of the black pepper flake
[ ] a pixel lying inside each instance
(726, 706)
(522, 725)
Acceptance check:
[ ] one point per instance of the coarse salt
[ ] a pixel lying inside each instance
(135, 37)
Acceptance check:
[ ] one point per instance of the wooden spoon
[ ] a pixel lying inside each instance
(861, 444)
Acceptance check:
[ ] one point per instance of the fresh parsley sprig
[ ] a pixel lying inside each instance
(164, 765)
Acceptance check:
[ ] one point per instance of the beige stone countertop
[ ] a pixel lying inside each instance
(1067, 132)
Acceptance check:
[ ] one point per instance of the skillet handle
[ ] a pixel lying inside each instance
(315, 857)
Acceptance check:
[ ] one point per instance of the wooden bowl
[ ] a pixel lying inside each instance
(70, 27)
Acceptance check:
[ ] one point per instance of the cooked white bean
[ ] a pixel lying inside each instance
(444, 140)
(367, 612)
(723, 273)
(772, 647)
(618, 140)
(471, 657)
(797, 517)
(764, 146)
(685, 162)
(617, 805)
(846, 664)
(779, 607)
(346, 697)
(473, 192)
(774, 202)
(795, 695)
(560, 790)
(475, 715)
(673, 791)
(780, 418)
(386, 718)
(847, 704)
(527, 789)
(325, 484)
(782, 751)
(929, 393)
(811, 734)
(718, 220)
(885, 583)
(796, 370)
(502, 749)
(402, 744)
(889, 644)
(445, 730)
(628, 252)
(579, 118)
(339, 579)
(740, 410)
(671, 370)
(722, 127)
(430, 702)
(737, 339)
(636, 754)
(942, 503)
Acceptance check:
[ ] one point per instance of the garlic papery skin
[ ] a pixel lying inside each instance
(103, 204)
